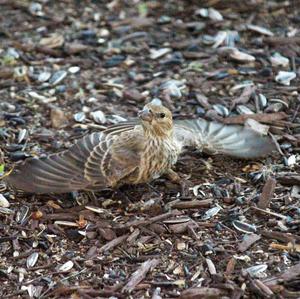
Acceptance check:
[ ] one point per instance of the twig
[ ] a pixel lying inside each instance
(193, 204)
(143, 222)
(269, 212)
(115, 242)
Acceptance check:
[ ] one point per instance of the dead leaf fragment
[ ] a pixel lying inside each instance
(230, 266)
(244, 97)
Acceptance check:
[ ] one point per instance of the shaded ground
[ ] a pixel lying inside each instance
(62, 60)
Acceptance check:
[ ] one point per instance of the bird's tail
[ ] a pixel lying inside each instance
(232, 140)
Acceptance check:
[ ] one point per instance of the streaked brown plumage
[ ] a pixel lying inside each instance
(133, 153)
(106, 160)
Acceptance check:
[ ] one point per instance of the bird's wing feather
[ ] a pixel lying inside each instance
(119, 161)
(80, 166)
(94, 162)
(232, 140)
(61, 172)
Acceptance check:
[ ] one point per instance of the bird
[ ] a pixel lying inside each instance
(134, 152)
(103, 160)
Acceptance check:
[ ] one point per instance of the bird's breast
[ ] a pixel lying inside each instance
(158, 157)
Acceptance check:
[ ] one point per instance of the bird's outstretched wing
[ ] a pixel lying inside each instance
(215, 138)
(94, 162)
(79, 167)
(67, 171)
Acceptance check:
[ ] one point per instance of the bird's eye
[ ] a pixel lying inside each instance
(162, 115)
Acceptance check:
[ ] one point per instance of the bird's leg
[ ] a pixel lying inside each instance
(175, 178)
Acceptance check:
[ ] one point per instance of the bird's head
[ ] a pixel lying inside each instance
(156, 120)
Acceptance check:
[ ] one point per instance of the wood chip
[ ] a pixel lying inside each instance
(248, 241)
(230, 266)
(139, 275)
(290, 273)
(280, 40)
(203, 293)
(265, 289)
(289, 179)
(193, 204)
(112, 244)
(262, 211)
(283, 237)
(262, 117)
(66, 223)
(267, 193)
(145, 222)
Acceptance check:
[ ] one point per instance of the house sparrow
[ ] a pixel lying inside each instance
(134, 152)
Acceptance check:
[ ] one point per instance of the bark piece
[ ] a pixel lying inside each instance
(193, 204)
(248, 241)
(112, 244)
(289, 179)
(283, 237)
(139, 275)
(262, 117)
(267, 193)
(290, 273)
(202, 293)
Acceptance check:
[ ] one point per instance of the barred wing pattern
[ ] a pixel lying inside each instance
(67, 171)
(217, 138)
(86, 164)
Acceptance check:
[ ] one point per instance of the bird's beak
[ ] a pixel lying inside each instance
(145, 115)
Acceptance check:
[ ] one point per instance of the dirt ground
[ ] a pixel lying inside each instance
(70, 67)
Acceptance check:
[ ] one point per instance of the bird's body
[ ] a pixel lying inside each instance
(135, 158)
(106, 159)
(133, 153)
